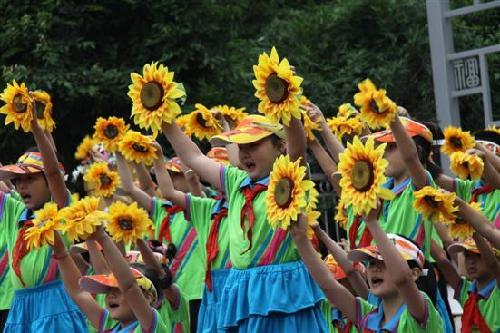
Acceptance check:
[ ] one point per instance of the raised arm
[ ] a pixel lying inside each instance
(488, 256)
(170, 291)
(142, 198)
(490, 174)
(409, 153)
(165, 182)
(336, 294)
(357, 281)
(326, 163)
(96, 258)
(399, 270)
(126, 281)
(296, 141)
(479, 222)
(445, 266)
(145, 181)
(53, 174)
(333, 145)
(70, 276)
(190, 154)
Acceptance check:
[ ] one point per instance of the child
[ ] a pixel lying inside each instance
(40, 301)
(478, 294)
(392, 268)
(130, 295)
(209, 218)
(268, 288)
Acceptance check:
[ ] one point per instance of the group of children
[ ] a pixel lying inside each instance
(212, 262)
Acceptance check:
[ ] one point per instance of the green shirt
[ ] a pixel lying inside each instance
(398, 216)
(489, 303)
(200, 213)
(176, 320)
(370, 318)
(188, 266)
(108, 324)
(490, 202)
(269, 246)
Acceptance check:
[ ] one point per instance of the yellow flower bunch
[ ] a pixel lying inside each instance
(457, 140)
(377, 110)
(436, 205)
(110, 132)
(466, 165)
(44, 225)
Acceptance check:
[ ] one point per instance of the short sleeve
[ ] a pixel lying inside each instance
(158, 324)
(10, 211)
(232, 177)
(200, 211)
(432, 322)
(362, 309)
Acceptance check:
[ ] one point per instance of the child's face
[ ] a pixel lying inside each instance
(475, 266)
(257, 158)
(33, 189)
(396, 166)
(378, 279)
(118, 307)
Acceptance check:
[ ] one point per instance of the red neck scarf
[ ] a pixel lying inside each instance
(247, 211)
(165, 233)
(482, 190)
(213, 245)
(20, 250)
(366, 237)
(472, 316)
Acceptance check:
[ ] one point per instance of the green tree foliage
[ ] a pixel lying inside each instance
(82, 53)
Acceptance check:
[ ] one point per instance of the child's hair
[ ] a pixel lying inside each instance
(276, 140)
(425, 149)
(151, 274)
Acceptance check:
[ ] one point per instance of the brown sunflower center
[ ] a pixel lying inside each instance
(374, 107)
(105, 179)
(139, 148)
(456, 142)
(276, 88)
(283, 192)
(19, 105)
(110, 131)
(151, 95)
(200, 120)
(362, 176)
(125, 223)
(39, 109)
(429, 200)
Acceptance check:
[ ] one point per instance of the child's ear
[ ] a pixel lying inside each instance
(282, 147)
(416, 272)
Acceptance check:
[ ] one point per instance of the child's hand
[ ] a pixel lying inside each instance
(159, 150)
(298, 229)
(98, 234)
(314, 112)
(372, 216)
(478, 151)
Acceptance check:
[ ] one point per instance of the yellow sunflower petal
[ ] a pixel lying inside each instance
(457, 140)
(103, 181)
(377, 110)
(138, 148)
(110, 132)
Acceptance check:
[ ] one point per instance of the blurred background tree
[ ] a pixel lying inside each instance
(82, 53)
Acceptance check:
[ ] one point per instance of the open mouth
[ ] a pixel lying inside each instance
(113, 305)
(249, 166)
(25, 197)
(376, 282)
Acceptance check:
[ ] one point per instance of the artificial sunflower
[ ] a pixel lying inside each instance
(278, 88)
(377, 110)
(43, 110)
(362, 168)
(287, 192)
(234, 114)
(81, 218)
(346, 126)
(347, 110)
(155, 97)
(84, 149)
(127, 222)
(309, 126)
(138, 148)
(466, 165)
(202, 123)
(436, 205)
(457, 140)
(182, 122)
(461, 229)
(103, 180)
(110, 132)
(341, 216)
(18, 106)
(493, 128)
(44, 224)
